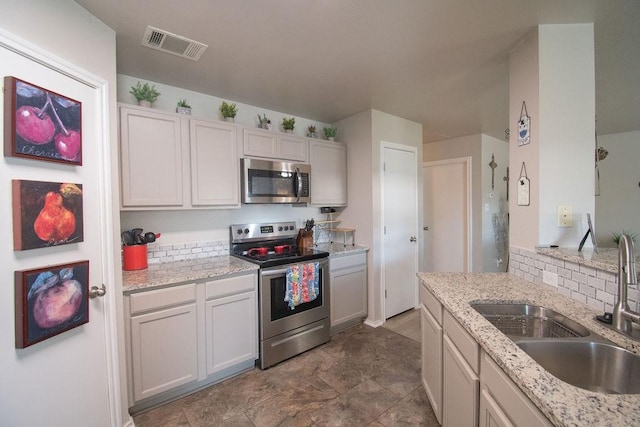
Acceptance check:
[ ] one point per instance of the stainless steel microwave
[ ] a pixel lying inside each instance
(274, 181)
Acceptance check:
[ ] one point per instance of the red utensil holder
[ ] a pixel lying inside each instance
(134, 257)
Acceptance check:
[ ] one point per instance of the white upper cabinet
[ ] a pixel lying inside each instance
(214, 164)
(274, 145)
(169, 161)
(328, 173)
(151, 166)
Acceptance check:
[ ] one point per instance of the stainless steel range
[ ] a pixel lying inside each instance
(288, 325)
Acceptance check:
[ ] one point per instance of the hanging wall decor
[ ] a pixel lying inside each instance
(46, 214)
(493, 165)
(524, 126)
(41, 124)
(50, 301)
(523, 187)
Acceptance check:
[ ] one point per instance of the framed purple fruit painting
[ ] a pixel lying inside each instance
(41, 124)
(50, 301)
(46, 214)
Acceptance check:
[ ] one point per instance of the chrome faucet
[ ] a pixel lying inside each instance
(622, 316)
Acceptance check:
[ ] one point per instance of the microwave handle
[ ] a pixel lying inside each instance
(298, 184)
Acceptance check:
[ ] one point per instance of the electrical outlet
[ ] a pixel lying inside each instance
(550, 278)
(565, 216)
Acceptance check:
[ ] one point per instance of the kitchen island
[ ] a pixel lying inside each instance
(561, 403)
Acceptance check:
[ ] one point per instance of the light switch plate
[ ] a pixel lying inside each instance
(565, 216)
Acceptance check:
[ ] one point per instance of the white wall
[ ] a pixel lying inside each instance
(552, 69)
(492, 258)
(72, 35)
(479, 147)
(567, 129)
(363, 134)
(618, 206)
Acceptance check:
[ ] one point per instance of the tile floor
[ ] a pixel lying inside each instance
(363, 377)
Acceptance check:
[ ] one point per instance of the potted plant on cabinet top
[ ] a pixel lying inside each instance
(264, 122)
(228, 110)
(311, 132)
(330, 132)
(288, 124)
(183, 107)
(145, 94)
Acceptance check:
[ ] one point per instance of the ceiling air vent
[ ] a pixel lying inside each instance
(173, 44)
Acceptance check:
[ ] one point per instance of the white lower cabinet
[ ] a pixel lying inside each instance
(231, 323)
(164, 340)
(464, 385)
(187, 336)
(348, 296)
(431, 373)
(502, 402)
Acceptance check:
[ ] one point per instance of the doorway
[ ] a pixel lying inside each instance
(447, 215)
(399, 184)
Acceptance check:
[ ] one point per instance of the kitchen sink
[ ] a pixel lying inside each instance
(529, 321)
(594, 366)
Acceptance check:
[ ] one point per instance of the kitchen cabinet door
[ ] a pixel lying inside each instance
(504, 403)
(231, 313)
(348, 277)
(431, 369)
(274, 145)
(214, 164)
(328, 173)
(293, 148)
(151, 158)
(164, 352)
(461, 388)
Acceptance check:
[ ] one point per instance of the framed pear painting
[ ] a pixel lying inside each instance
(41, 124)
(46, 214)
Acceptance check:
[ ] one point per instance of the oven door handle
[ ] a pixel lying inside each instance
(269, 273)
(298, 184)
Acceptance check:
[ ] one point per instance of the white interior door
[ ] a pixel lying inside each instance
(63, 380)
(400, 224)
(446, 215)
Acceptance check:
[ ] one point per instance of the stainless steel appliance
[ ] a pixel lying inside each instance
(284, 331)
(270, 181)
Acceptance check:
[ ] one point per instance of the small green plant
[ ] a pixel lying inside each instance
(330, 132)
(183, 103)
(228, 109)
(288, 123)
(144, 92)
(264, 122)
(616, 236)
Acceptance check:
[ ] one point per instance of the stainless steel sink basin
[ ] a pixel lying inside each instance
(529, 321)
(593, 366)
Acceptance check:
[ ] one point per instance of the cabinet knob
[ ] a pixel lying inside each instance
(413, 239)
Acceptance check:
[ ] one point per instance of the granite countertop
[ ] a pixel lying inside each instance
(339, 249)
(605, 259)
(172, 273)
(562, 403)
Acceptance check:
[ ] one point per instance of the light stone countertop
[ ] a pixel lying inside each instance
(605, 259)
(173, 273)
(562, 404)
(339, 249)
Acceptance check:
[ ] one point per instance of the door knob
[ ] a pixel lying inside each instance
(413, 239)
(96, 292)
(425, 228)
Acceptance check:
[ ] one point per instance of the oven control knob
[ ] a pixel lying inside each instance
(239, 231)
(280, 228)
(246, 231)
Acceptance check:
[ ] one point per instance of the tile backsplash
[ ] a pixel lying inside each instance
(594, 287)
(159, 253)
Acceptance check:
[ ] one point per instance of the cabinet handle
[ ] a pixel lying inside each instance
(413, 239)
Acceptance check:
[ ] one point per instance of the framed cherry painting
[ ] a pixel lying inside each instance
(41, 124)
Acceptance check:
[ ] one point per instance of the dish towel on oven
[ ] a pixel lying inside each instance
(302, 284)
